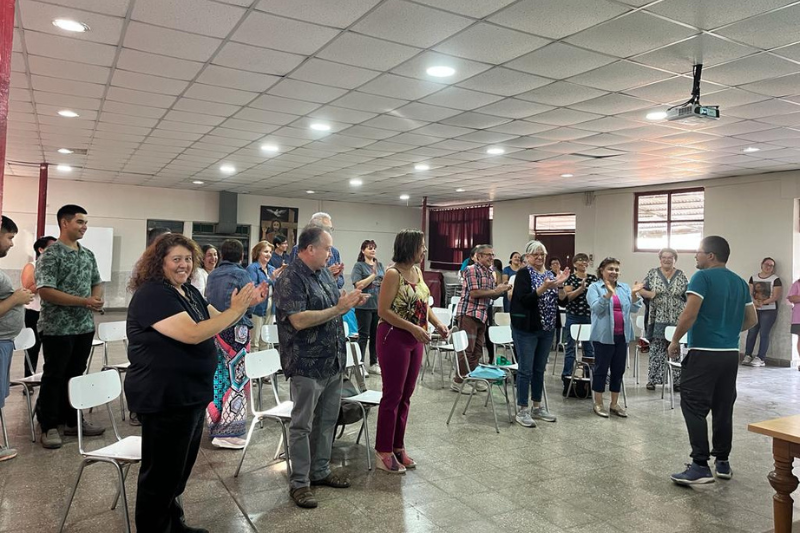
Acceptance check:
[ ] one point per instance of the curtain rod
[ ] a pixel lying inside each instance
(454, 208)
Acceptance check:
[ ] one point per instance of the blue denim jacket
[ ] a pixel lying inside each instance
(258, 276)
(332, 260)
(221, 282)
(603, 311)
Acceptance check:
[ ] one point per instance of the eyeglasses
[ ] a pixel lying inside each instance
(702, 252)
(490, 255)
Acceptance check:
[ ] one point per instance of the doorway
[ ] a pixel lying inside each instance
(557, 233)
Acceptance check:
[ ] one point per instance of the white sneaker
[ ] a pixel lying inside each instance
(457, 387)
(757, 361)
(375, 369)
(540, 413)
(524, 418)
(480, 386)
(228, 443)
(747, 360)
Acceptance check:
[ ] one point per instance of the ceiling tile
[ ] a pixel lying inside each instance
(705, 15)
(470, 8)
(766, 31)
(561, 93)
(463, 99)
(410, 24)
(559, 61)
(136, 110)
(474, 120)
(38, 17)
(267, 117)
(547, 17)
(139, 97)
(707, 49)
(335, 74)
(219, 94)
(398, 87)
(611, 104)
(173, 43)
(388, 122)
(630, 35)
(513, 108)
(146, 82)
(783, 86)
(369, 102)
(339, 14)
(490, 43)
(244, 57)
(54, 46)
(278, 33)
(117, 8)
(362, 51)
(620, 75)
(766, 108)
(789, 52)
(76, 88)
(750, 69)
(341, 114)
(733, 97)
(520, 127)
(417, 67)
(284, 105)
(193, 118)
(487, 137)
(237, 79)
(420, 111)
(564, 117)
(302, 90)
(504, 82)
(196, 16)
(443, 131)
(157, 65)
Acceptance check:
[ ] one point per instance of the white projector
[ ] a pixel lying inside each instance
(693, 113)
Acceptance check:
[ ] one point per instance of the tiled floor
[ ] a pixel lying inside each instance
(582, 473)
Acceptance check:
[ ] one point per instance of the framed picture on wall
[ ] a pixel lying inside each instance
(279, 220)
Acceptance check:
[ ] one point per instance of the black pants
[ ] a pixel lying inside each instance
(609, 357)
(31, 319)
(367, 332)
(170, 442)
(708, 383)
(65, 357)
(486, 341)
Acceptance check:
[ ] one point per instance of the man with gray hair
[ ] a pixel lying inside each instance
(335, 265)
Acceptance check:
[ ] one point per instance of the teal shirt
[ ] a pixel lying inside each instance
(719, 321)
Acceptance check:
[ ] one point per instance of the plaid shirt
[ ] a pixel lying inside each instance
(476, 277)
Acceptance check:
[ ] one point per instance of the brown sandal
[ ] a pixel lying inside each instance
(332, 480)
(303, 497)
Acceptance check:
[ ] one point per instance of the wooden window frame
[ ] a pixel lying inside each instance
(669, 220)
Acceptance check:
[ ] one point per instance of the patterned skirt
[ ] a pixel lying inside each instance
(227, 412)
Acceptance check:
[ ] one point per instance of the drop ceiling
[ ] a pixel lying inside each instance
(169, 91)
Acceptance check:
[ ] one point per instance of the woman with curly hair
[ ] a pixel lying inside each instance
(171, 330)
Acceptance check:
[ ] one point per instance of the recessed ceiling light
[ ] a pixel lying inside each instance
(356, 182)
(440, 71)
(309, 192)
(495, 151)
(320, 126)
(269, 148)
(67, 113)
(64, 151)
(198, 182)
(460, 190)
(404, 197)
(228, 169)
(566, 175)
(64, 168)
(656, 115)
(70, 25)
(422, 166)
(751, 149)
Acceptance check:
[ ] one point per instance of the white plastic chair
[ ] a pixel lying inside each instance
(267, 363)
(93, 390)
(558, 339)
(114, 332)
(582, 333)
(501, 337)
(269, 333)
(438, 345)
(671, 366)
(502, 319)
(637, 351)
(95, 344)
(365, 399)
(23, 342)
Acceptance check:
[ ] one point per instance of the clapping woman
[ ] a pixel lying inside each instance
(367, 276)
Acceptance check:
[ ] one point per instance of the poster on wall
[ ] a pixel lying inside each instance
(279, 220)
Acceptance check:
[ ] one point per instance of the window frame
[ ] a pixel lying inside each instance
(669, 193)
(534, 232)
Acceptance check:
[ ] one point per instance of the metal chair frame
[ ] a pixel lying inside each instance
(669, 378)
(23, 342)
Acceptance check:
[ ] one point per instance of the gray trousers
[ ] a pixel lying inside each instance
(314, 416)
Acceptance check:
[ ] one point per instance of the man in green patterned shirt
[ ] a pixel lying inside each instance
(71, 290)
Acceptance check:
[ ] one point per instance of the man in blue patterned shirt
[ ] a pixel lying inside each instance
(309, 311)
(334, 263)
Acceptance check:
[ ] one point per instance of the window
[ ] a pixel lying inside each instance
(671, 219)
(543, 224)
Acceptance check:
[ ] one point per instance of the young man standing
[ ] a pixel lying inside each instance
(718, 308)
(71, 290)
(12, 320)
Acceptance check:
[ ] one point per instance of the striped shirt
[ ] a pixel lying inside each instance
(476, 277)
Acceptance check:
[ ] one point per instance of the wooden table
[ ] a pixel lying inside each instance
(785, 433)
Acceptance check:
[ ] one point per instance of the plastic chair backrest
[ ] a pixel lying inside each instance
(498, 302)
(92, 390)
(500, 334)
(353, 355)
(269, 332)
(262, 363)
(455, 300)
(640, 324)
(25, 340)
(502, 319)
(669, 332)
(444, 315)
(346, 330)
(460, 341)
(112, 331)
(580, 332)
(512, 279)
(430, 301)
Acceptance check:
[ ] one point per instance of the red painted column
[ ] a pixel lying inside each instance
(6, 40)
(41, 211)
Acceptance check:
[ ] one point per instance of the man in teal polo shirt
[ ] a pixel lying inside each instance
(718, 308)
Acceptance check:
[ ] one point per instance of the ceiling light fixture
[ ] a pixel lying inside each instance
(356, 182)
(656, 115)
(309, 192)
(64, 168)
(440, 71)
(751, 149)
(71, 25)
(566, 175)
(495, 151)
(68, 113)
(198, 182)
(64, 151)
(228, 169)
(270, 148)
(318, 126)
(404, 197)
(422, 166)
(460, 190)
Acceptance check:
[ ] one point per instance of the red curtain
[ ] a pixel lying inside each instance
(454, 232)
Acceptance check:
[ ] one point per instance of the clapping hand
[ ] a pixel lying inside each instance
(637, 286)
(336, 269)
(349, 300)
(240, 299)
(22, 296)
(260, 294)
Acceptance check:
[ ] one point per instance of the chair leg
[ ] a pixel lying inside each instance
(5, 432)
(285, 433)
(671, 388)
(469, 400)
(624, 395)
(636, 364)
(246, 444)
(365, 429)
(544, 394)
(125, 477)
(124, 497)
(494, 413)
(279, 448)
(72, 495)
(121, 402)
(455, 402)
(508, 402)
(27, 392)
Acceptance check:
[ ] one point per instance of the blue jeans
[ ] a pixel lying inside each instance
(532, 349)
(766, 319)
(569, 355)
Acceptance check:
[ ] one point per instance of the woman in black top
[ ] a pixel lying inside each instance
(170, 382)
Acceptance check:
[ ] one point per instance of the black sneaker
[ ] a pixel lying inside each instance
(133, 419)
(88, 430)
(723, 469)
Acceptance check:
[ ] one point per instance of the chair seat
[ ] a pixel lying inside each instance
(674, 364)
(128, 449)
(35, 379)
(97, 342)
(284, 410)
(120, 366)
(446, 347)
(372, 397)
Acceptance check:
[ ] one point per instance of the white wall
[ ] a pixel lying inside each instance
(758, 215)
(126, 208)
